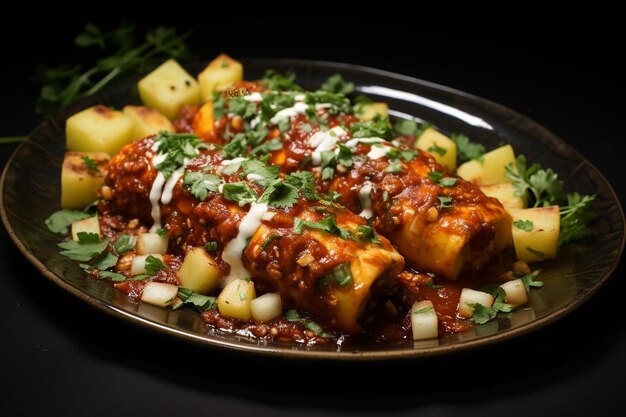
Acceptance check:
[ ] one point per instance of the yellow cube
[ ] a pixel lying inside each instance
(147, 121)
(79, 182)
(490, 169)
(236, 298)
(505, 193)
(168, 88)
(536, 233)
(98, 129)
(88, 225)
(199, 271)
(369, 111)
(439, 145)
(221, 73)
(203, 122)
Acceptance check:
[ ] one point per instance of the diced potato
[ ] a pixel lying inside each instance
(221, 73)
(442, 148)
(470, 297)
(266, 307)
(540, 242)
(147, 121)
(203, 122)
(199, 271)
(151, 243)
(424, 320)
(79, 183)
(369, 111)
(88, 225)
(236, 298)
(98, 129)
(159, 293)
(491, 167)
(168, 88)
(515, 291)
(505, 193)
(138, 266)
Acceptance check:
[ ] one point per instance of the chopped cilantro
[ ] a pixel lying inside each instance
(280, 194)
(105, 262)
(90, 164)
(176, 147)
(124, 243)
(211, 246)
(526, 225)
(267, 147)
(339, 275)
(483, 314)
(437, 149)
(154, 265)
(267, 173)
(238, 146)
(378, 127)
(60, 221)
(447, 182)
(199, 184)
(162, 232)
(467, 150)
(366, 234)
(279, 82)
(445, 201)
(292, 315)
(87, 247)
(199, 301)
(344, 157)
(239, 192)
(529, 281)
(575, 216)
(394, 166)
(328, 225)
(408, 155)
(304, 181)
(284, 125)
(336, 84)
(113, 276)
(433, 286)
(435, 176)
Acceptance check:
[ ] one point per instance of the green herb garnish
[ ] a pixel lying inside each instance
(60, 221)
(154, 265)
(466, 149)
(90, 164)
(87, 247)
(124, 243)
(526, 225)
(199, 301)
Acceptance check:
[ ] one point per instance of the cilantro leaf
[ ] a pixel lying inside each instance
(124, 243)
(237, 146)
(267, 147)
(435, 176)
(339, 275)
(280, 194)
(344, 157)
(199, 301)
(466, 149)
(366, 234)
(278, 82)
(336, 84)
(292, 315)
(575, 216)
(437, 149)
(394, 166)
(304, 181)
(199, 184)
(87, 247)
(90, 164)
(211, 246)
(176, 147)
(113, 276)
(526, 225)
(543, 186)
(378, 127)
(154, 265)
(529, 281)
(60, 221)
(328, 225)
(239, 192)
(405, 127)
(262, 174)
(483, 314)
(445, 201)
(107, 261)
(447, 182)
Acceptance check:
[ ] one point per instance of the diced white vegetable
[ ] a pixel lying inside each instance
(151, 243)
(139, 263)
(515, 291)
(236, 298)
(424, 320)
(470, 297)
(88, 225)
(266, 307)
(199, 271)
(159, 294)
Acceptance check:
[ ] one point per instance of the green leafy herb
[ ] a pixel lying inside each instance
(263, 174)
(238, 146)
(304, 181)
(279, 82)
(305, 127)
(408, 155)
(447, 182)
(543, 186)
(328, 225)
(267, 147)
(526, 225)
(267, 242)
(176, 147)
(366, 234)
(344, 157)
(90, 164)
(483, 314)
(433, 286)
(211, 246)
(466, 149)
(66, 84)
(200, 183)
(339, 103)
(60, 221)
(575, 216)
(336, 84)
(378, 127)
(292, 315)
(339, 275)
(437, 149)
(280, 194)
(239, 192)
(529, 281)
(87, 247)
(394, 166)
(113, 276)
(423, 310)
(124, 243)
(199, 301)
(105, 262)
(445, 201)
(154, 265)
(162, 232)
(284, 125)
(405, 127)
(535, 252)
(139, 277)
(435, 176)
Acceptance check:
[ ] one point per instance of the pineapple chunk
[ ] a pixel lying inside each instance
(266, 307)
(168, 88)
(491, 167)
(147, 121)
(235, 299)
(203, 122)
(148, 243)
(442, 148)
(505, 193)
(541, 240)
(98, 129)
(515, 292)
(470, 297)
(221, 73)
(159, 293)
(138, 266)
(79, 183)
(424, 320)
(369, 111)
(88, 225)
(199, 271)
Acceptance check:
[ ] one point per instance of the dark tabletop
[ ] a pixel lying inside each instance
(58, 356)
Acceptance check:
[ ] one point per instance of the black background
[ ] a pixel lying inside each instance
(60, 357)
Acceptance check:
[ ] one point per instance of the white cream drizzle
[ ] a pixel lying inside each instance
(237, 160)
(155, 196)
(233, 251)
(254, 177)
(366, 200)
(168, 189)
(324, 141)
(296, 109)
(255, 97)
(367, 141)
(378, 151)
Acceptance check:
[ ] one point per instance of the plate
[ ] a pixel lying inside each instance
(30, 192)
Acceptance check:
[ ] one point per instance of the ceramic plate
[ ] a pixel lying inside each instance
(31, 192)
